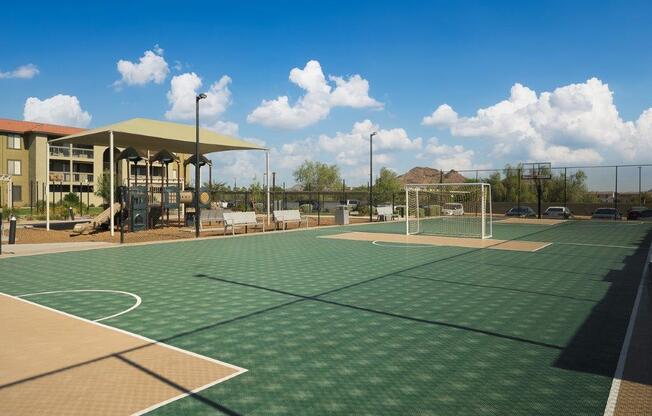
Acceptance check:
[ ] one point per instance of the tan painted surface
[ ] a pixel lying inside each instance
(52, 363)
(635, 394)
(441, 241)
(534, 221)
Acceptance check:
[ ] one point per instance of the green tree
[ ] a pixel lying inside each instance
(104, 187)
(317, 176)
(386, 185)
(71, 200)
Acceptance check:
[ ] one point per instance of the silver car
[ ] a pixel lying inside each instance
(453, 208)
(558, 212)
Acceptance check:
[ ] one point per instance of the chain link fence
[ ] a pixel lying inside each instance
(582, 189)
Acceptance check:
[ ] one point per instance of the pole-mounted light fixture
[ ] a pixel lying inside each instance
(197, 167)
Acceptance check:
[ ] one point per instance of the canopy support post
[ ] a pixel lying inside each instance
(111, 183)
(47, 186)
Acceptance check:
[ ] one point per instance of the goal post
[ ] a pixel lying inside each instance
(453, 209)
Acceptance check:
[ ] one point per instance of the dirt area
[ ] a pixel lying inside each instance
(29, 235)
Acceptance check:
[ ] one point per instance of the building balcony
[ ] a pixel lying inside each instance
(65, 152)
(67, 177)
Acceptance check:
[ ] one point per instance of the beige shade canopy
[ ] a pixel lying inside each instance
(146, 134)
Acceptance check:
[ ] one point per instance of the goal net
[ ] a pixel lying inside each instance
(454, 209)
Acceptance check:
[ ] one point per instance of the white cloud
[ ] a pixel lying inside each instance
(183, 90)
(243, 165)
(60, 109)
(224, 127)
(444, 115)
(353, 147)
(151, 67)
(450, 157)
(576, 123)
(317, 102)
(28, 71)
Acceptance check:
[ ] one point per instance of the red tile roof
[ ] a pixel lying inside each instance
(22, 127)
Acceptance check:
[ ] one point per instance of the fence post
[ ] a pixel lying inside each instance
(518, 193)
(565, 185)
(31, 197)
(616, 192)
(122, 213)
(318, 210)
(640, 195)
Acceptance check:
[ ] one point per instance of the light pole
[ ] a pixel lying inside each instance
(197, 176)
(371, 173)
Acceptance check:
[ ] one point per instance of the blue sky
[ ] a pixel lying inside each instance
(576, 77)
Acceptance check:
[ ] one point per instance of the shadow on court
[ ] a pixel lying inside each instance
(595, 347)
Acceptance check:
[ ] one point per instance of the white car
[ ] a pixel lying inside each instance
(453, 208)
(558, 212)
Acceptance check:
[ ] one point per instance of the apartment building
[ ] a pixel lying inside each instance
(73, 168)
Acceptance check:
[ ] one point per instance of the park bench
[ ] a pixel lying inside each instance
(283, 217)
(213, 215)
(241, 219)
(385, 213)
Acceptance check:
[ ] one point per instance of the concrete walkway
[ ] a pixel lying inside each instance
(16, 250)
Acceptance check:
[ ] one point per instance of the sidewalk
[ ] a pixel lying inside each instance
(16, 250)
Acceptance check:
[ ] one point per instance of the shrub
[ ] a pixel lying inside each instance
(71, 200)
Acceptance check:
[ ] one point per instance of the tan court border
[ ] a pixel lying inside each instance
(511, 245)
(132, 350)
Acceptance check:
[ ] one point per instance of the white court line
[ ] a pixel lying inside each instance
(542, 247)
(134, 306)
(408, 245)
(610, 408)
(239, 370)
(598, 245)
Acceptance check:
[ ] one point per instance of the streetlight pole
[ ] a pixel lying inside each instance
(371, 173)
(197, 176)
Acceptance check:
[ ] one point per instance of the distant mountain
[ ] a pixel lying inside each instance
(429, 175)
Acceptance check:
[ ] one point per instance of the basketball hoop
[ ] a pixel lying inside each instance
(536, 170)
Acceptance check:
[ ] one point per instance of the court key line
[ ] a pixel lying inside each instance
(150, 341)
(134, 306)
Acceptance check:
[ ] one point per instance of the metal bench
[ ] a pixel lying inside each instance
(241, 219)
(385, 213)
(283, 217)
(213, 215)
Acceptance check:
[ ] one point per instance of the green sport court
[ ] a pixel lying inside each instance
(341, 327)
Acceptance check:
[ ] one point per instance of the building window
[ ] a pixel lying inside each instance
(14, 167)
(13, 141)
(16, 193)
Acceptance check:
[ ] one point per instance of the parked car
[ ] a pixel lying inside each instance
(558, 212)
(645, 215)
(453, 208)
(314, 204)
(606, 214)
(352, 204)
(634, 212)
(521, 212)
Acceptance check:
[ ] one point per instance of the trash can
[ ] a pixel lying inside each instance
(341, 215)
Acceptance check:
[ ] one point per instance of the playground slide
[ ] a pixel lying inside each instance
(100, 219)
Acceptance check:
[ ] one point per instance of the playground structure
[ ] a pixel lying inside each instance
(141, 203)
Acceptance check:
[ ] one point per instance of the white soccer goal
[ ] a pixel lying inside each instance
(454, 209)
